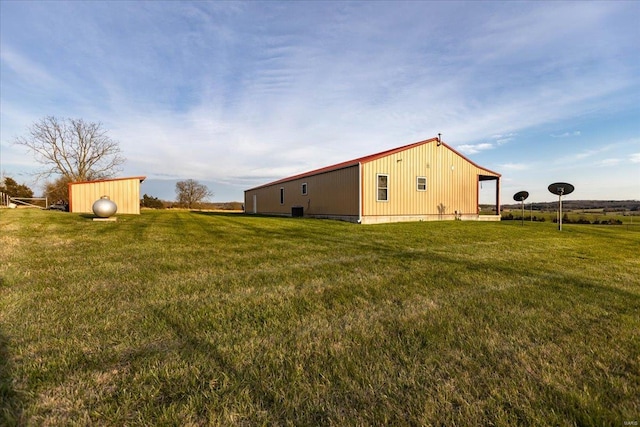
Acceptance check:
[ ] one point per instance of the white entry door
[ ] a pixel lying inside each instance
(255, 203)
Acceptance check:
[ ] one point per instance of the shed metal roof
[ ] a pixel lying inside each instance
(141, 178)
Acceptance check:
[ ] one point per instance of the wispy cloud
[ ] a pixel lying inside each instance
(594, 151)
(635, 158)
(25, 69)
(608, 162)
(498, 140)
(504, 139)
(566, 134)
(515, 166)
(474, 148)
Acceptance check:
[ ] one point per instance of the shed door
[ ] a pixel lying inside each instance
(255, 203)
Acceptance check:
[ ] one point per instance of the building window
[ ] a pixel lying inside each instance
(383, 187)
(421, 183)
(282, 195)
(304, 189)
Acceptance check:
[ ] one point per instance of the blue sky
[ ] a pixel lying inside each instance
(237, 94)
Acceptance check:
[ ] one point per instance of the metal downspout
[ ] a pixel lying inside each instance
(359, 192)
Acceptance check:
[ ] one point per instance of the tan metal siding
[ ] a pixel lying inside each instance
(332, 193)
(452, 183)
(124, 192)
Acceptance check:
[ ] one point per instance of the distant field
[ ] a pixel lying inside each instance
(205, 318)
(628, 218)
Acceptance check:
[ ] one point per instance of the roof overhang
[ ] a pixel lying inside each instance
(140, 178)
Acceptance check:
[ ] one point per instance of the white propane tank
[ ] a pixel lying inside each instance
(104, 207)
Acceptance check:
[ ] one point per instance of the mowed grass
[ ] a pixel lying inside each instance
(193, 318)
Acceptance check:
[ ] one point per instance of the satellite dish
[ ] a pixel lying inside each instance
(561, 188)
(521, 196)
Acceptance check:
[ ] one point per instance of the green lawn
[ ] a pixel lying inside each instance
(195, 318)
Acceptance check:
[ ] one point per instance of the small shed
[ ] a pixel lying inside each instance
(125, 192)
(423, 181)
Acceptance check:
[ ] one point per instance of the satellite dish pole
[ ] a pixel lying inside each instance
(521, 196)
(561, 189)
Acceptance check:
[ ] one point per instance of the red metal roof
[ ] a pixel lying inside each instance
(141, 178)
(367, 159)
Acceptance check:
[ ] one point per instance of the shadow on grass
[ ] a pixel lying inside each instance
(10, 412)
(242, 215)
(262, 225)
(224, 214)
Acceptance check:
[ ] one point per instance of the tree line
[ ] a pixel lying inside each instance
(606, 205)
(189, 194)
(566, 219)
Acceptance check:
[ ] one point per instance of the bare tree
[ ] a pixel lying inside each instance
(72, 148)
(191, 192)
